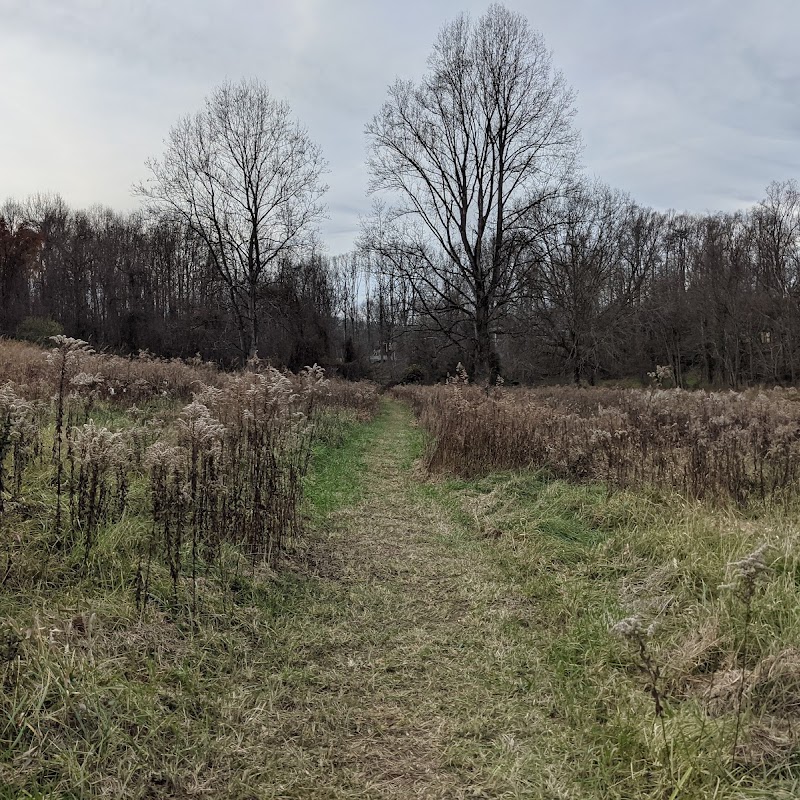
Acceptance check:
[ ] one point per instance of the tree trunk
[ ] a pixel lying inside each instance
(252, 322)
(485, 360)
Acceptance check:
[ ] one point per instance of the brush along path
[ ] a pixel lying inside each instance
(411, 681)
(440, 639)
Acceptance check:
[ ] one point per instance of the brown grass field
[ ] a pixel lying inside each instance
(720, 446)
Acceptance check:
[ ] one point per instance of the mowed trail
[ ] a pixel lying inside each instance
(408, 684)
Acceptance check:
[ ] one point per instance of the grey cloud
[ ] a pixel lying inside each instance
(690, 105)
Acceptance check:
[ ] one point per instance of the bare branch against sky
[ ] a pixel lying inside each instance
(691, 104)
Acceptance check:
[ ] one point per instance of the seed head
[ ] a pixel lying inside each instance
(631, 628)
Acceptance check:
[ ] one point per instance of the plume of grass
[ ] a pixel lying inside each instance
(633, 631)
(64, 358)
(98, 456)
(18, 438)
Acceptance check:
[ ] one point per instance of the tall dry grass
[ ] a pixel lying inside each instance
(218, 460)
(721, 446)
(128, 380)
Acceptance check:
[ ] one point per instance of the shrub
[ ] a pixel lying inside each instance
(38, 329)
(413, 373)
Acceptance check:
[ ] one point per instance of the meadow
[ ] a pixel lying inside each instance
(664, 526)
(740, 447)
(142, 498)
(265, 584)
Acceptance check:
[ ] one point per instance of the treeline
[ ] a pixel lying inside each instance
(611, 289)
(608, 289)
(137, 281)
(485, 246)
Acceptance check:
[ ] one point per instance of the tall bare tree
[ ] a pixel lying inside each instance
(244, 176)
(464, 156)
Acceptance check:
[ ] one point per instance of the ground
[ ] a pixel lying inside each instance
(458, 644)
(413, 674)
(427, 638)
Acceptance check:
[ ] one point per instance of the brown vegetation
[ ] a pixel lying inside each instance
(720, 446)
(225, 469)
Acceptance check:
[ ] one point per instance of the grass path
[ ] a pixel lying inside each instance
(399, 652)
(409, 687)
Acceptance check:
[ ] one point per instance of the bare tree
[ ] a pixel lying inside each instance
(581, 288)
(776, 222)
(485, 137)
(245, 178)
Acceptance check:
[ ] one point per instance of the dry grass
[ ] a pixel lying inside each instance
(105, 696)
(436, 639)
(701, 700)
(722, 446)
(138, 553)
(226, 467)
(470, 654)
(125, 380)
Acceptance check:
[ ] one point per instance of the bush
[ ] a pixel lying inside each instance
(413, 373)
(38, 329)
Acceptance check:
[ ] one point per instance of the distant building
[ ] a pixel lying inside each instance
(381, 354)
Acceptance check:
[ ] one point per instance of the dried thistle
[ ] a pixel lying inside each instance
(98, 455)
(748, 574)
(16, 432)
(64, 356)
(633, 630)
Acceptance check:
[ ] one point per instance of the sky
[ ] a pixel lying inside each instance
(686, 104)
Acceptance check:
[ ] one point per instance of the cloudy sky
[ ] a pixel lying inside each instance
(690, 104)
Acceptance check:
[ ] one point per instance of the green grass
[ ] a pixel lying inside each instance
(100, 701)
(583, 559)
(336, 479)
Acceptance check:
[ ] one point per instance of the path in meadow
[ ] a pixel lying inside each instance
(407, 679)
